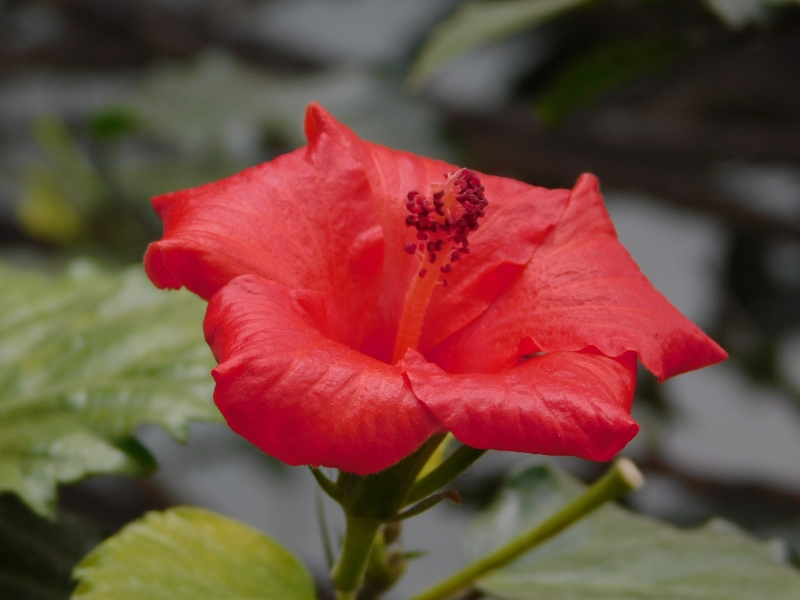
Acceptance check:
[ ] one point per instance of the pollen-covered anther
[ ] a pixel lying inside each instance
(445, 221)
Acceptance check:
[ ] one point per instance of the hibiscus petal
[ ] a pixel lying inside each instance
(581, 289)
(392, 174)
(293, 221)
(286, 387)
(517, 219)
(306, 220)
(564, 403)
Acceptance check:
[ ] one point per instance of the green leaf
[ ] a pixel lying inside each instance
(85, 359)
(477, 23)
(37, 555)
(45, 213)
(193, 554)
(617, 555)
(589, 77)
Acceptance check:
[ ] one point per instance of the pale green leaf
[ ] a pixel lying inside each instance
(86, 358)
(480, 22)
(192, 554)
(45, 213)
(617, 555)
(740, 13)
(37, 555)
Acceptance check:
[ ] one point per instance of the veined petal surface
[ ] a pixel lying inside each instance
(581, 289)
(298, 395)
(306, 220)
(564, 403)
(304, 262)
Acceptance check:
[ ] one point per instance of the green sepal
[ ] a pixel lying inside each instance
(449, 468)
(386, 565)
(427, 504)
(328, 486)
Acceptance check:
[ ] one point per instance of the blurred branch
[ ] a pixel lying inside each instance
(752, 505)
(666, 135)
(514, 145)
(123, 33)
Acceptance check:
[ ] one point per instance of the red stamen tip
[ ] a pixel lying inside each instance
(461, 203)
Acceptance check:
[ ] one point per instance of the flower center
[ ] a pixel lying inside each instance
(442, 227)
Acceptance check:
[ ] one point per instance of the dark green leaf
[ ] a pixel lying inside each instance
(616, 555)
(85, 359)
(37, 555)
(192, 554)
(604, 68)
(477, 23)
(111, 124)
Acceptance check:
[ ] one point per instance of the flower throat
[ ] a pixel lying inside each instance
(442, 226)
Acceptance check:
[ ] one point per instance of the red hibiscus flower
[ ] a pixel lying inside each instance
(362, 299)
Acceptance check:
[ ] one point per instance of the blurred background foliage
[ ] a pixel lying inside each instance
(687, 110)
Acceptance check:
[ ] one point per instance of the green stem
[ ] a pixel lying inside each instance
(451, 468)
(349, 570)
(622, 478)
(368, 502)
(382, 495)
